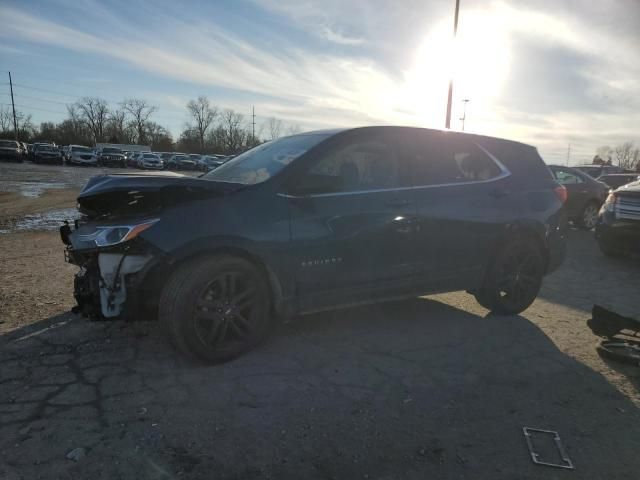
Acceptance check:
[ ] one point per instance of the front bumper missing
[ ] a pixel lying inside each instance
(103, 283)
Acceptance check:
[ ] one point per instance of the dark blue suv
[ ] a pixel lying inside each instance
(318, 221)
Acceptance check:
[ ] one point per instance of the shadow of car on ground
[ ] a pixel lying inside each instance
(411, 389)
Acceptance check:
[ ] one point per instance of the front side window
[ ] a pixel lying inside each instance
(442, 159)
(357, 166)
(265, 161)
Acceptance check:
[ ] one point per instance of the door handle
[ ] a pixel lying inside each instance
(398, 203)
(499, 192)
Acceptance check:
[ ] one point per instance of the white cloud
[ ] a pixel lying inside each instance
(328, 88)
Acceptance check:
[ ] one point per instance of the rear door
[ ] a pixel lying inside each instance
(577, 189)
(357, 237)
(464, 198)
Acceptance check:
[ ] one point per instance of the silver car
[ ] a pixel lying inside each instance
(150, 161)
(81, 155)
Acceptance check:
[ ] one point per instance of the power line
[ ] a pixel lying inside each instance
(45, 90)
(34, 108)
(44, 100)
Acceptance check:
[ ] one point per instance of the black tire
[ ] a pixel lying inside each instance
(607, 249)
(216, 308)
(514, 278)
(589, 216)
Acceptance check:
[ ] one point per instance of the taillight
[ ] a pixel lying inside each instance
(561, 193)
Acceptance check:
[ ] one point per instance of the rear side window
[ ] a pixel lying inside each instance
(440, 159)
(361, 165)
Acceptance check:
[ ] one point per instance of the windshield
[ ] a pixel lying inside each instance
(151, 155)
(5, 143)
(81, 149)
(264, 161)
(111, 150)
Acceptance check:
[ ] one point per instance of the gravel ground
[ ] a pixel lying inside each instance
(425, 388)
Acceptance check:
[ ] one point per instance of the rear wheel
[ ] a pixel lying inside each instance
(216, 308)
(514, 278)
(589, 217)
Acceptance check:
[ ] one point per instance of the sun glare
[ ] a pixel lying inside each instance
(478, 60)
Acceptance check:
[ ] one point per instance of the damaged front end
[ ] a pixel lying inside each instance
(110, 262)
(108, 243)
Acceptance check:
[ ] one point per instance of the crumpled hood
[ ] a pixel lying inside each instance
(133, 194)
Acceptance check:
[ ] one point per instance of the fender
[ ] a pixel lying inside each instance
(278, 274)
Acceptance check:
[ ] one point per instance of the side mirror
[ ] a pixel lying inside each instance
(315, 184)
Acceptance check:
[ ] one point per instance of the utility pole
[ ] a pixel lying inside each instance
(447, 123)
(253, 123)
(13, 106)
(464, 111)
(568, 154)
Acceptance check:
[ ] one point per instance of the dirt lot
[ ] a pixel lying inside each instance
(427, 388)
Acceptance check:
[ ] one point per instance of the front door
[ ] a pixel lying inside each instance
(351, 222)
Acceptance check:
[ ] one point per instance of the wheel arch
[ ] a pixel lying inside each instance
(240, 248)
(527, 229)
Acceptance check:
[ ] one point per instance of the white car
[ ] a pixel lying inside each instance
(81, 155)
(150, 161)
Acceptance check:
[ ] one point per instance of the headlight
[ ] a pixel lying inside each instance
(609, 204)
(106, 236)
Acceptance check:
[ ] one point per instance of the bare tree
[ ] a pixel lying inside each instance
(74, 118)
(159, 137)
(26, 129)
(234, 134)
(203, 114)
(140, 112)
(94, 112)
(293, 129)
(6, 121)
(117, 126)
(624, 154)
(274, 128)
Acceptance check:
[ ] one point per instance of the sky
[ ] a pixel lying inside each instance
(563, 75)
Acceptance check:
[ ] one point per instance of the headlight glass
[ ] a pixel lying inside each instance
(609, 204)
(106, 236)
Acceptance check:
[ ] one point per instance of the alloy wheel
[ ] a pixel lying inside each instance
(590, 216)
(226, 311)
(518, 277)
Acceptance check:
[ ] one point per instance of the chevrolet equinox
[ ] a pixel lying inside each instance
(317, 221)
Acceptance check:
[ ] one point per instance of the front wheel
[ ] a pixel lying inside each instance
(216, 308)
(514, 278)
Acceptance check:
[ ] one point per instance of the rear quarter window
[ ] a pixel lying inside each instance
(523, 161)
(442, 159)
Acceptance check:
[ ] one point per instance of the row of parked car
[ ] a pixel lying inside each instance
(606, 197)
(108, 157)
(588, 187)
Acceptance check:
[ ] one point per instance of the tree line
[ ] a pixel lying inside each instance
(91, 120)
(625, 155)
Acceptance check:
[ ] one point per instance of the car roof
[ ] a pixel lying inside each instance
(336, 131)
